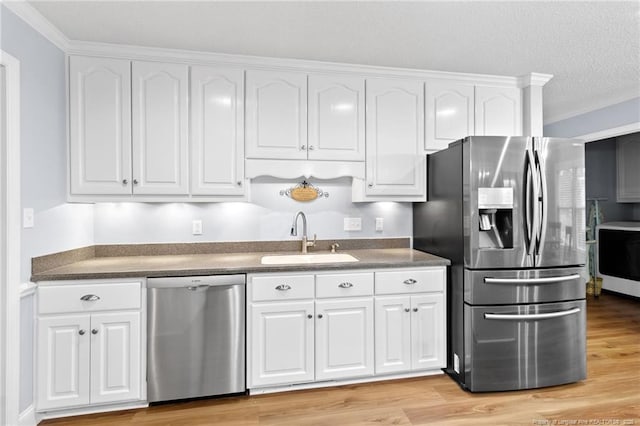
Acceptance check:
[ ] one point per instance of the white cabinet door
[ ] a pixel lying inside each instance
(393, 334)
(160, 128)
(281, 342)
(628, 158)
(395, 137)
(217, 131)
(100, 125)
(276, 115)
(336, 118)
(498, 111)
(344, 338)
(428, 342)
(115, 357)
(63, 361)
(449, 113)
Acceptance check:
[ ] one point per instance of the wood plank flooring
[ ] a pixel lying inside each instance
(609, 396)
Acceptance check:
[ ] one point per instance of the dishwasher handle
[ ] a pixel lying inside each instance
(195, 282)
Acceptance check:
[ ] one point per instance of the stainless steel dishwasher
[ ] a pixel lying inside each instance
(196, 336)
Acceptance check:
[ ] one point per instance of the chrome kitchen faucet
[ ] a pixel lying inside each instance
(294, 231)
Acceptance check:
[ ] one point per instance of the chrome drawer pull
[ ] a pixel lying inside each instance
(410, 281)
(544, 280)
(283, 287)
(345, 285)
(81, 332)
(94, 331)
(516, 317)
(407, 309)
(90, 298)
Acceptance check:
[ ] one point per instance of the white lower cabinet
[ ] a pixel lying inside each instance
(409, 333)
(341, 325)
(93, 355)
(344, 338)
(282, 341)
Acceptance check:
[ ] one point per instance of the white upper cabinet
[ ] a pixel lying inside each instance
(449, 113)
(276, 115)
(498, 111)
(160, 128)
(395, 135)
(100, 125)
(336, 118)
(217, 131)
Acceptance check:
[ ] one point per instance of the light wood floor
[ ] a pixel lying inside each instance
(609, 396)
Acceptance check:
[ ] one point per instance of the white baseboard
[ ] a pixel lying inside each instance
(28, 417)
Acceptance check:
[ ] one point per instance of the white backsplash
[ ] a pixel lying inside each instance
(267, 217)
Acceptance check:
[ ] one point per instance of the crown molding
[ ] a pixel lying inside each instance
(32, 17)
(190, 57)
(534, 79)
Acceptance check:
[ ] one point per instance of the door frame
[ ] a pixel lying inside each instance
(10, 235)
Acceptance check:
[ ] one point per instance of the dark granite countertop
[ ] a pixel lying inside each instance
(158, 260)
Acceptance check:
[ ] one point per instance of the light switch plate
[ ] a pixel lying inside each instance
(28, 220)
(353, 224)
(196, 227)
(379, 224)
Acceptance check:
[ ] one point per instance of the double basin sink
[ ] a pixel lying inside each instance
(304, 259)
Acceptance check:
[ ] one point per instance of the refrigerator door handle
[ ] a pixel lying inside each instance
(541, 202)
(530, 210)
(519, 317)
(544, 280)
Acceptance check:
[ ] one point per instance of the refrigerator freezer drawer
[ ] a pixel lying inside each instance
(525, 346)
(507, 287)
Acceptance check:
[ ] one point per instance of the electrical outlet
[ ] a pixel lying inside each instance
(28, 218)
(353, 224)
(196, 227)
(379, 224)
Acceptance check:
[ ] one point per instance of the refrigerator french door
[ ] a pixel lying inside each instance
(509, 214)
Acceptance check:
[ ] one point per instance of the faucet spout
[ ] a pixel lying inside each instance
(294, 231)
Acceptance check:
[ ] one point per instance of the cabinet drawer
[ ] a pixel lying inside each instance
(410, 281)
(68, 298)
(282, 287)
(344, 285)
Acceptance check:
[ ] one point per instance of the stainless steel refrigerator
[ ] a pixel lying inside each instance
(509, 212)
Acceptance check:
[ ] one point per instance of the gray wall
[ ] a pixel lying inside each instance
(58, 226)
(613, 116)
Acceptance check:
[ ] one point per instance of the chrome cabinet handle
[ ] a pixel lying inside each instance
(124, 181)
(311, 148)
(303, 148)
(239, 183)
(90, 298)
(81, 332)
(345, 285)
(516, 317)
(319, 315)
(415, 309)
(94, 331)
(135, 181)
(283, 287)
(370, 185)
(410, 281)
(407, 309)
(543, 280)
(309, 316)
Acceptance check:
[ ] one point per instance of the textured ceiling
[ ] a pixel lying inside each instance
(592, 48)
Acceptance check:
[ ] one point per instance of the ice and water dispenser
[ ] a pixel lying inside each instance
(495, 214)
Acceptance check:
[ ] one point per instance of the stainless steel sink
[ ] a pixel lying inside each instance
(297, 259)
